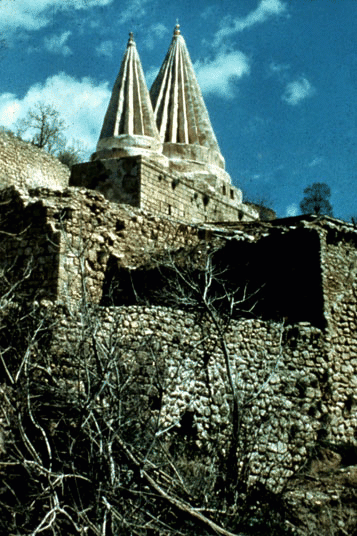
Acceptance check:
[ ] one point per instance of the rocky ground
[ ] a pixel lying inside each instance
(323, 499)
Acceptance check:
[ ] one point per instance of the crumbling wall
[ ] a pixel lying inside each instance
(98, 235)
(30, 244)
(295, 380)
(175, 360)
(25, 165)
(339, 262)
(72, 235)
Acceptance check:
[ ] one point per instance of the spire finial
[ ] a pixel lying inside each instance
(131, 39)
(177, 28)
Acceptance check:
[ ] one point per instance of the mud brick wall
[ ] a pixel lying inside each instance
(25, 165)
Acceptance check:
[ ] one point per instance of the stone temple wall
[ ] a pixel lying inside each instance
(25, 165)
(142, 182)
(186, 199)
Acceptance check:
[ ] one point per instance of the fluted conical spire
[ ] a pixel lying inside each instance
(180, 111)
(129, 124)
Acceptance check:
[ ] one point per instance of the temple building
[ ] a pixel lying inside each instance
(158, 151)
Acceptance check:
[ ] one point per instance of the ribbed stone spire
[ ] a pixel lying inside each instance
(129, 125)
(180, 112)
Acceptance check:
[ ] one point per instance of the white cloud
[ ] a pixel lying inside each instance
(292, 210)
(218, 76)
(105, 48)
(10, 109)
(81, 103)
(297, 91)
(57, 44)
(35, 14)
(265, 10)
(207, 12)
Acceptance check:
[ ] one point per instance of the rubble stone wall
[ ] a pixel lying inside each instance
(280, 372)
(339, 261)
(296, 382)
(25, 165)
(30, 244)
(73, 233)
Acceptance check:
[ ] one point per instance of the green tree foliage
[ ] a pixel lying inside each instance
(316, 200)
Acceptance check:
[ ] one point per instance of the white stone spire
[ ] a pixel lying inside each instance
(129, 126)
(180, 112)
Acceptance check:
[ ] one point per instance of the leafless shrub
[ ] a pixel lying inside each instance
(82, 449)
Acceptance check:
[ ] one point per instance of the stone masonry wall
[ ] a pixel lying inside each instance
(144, 183)
(279, 372)
(296, 382)
(189, 200)
(97, 234)
(30, 244)
(25, 165)
(339, 261)
(118, 179)
(72, 235)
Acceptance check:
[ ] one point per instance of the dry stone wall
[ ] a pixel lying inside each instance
(97, 234)
(30, 244)
(339, 263)
(279, 372)
(25, 165)
(72, 235)
(296, 381)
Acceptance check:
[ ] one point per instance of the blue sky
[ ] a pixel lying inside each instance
(279, 78)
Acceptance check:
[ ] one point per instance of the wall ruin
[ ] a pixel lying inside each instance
(25, 165)
(294, 357)
(282, 374)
